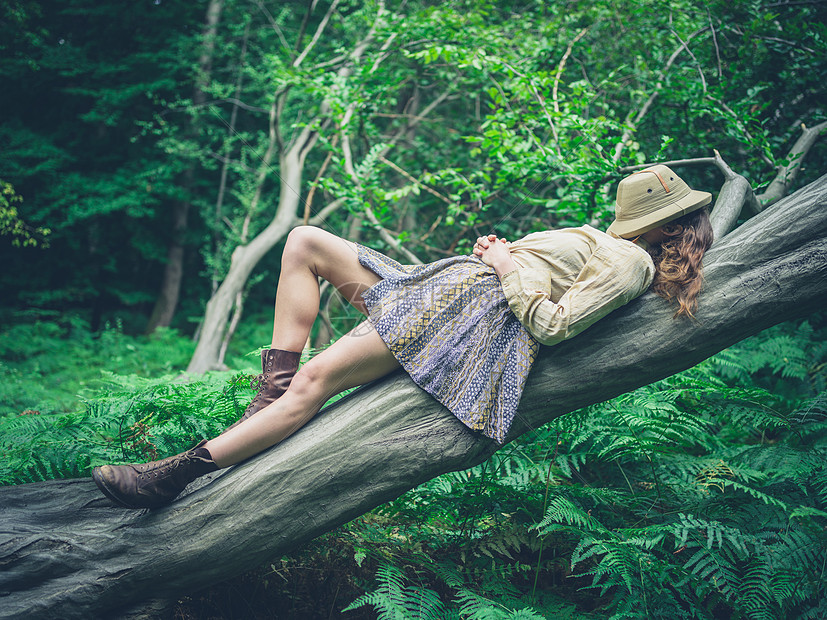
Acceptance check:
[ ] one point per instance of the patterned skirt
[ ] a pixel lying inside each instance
(449, 326)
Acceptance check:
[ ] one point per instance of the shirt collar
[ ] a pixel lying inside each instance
(642, 243)
(639, 240)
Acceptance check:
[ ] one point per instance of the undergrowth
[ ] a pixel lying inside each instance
(51, 362)
(132, 420)
(701, 496)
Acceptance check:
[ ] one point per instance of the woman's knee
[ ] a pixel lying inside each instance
(311, 382)
(303, 399)
(302, 242)
(311, 246)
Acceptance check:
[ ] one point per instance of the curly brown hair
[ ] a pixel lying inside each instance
(678, 267)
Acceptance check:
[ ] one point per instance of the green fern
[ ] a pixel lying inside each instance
(700, 496)
(393, 600)
(134, 420)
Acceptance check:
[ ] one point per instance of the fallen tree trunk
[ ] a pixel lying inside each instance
(65, 552)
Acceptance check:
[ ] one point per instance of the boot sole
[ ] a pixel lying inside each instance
(104, 488)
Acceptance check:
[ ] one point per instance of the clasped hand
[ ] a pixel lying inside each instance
(494, 252)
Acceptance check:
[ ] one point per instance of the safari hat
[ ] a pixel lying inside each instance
(652, 197)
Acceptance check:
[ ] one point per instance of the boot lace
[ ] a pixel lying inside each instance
(257, 382)
(171, 463)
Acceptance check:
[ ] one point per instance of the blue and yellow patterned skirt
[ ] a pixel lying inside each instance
(449, 326)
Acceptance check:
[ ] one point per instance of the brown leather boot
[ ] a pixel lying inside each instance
(149, 485)
(277, 370)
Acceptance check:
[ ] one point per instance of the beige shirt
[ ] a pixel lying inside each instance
(567, 279)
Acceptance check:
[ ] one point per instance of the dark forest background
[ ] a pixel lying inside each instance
(155, 154)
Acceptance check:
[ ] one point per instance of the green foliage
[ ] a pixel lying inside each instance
(703, 495)
(10, 223)
(48, 360)
(71, 399)
(395, 601)
(525, 114)
(131, 420)
(779, 360)
(699, 496)
(85, 74)
(392, 599)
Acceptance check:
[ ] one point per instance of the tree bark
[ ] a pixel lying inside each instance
(735, 194)
(67, 553)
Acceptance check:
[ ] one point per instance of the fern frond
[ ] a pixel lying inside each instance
(392, 600)
(563, 511)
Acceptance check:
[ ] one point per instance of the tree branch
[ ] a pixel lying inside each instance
(67, 553)
(561, 66)
(735, 193)
(274, 25)
(273, 145)
(317, 35)
(786, 174)
(244, 258)
(322, 169)
(416, 181)
(386, 235)
(321, 217)
(390, 239)
(383, 52)
(740, 125)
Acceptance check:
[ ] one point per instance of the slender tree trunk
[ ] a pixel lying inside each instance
(246, 257)
(167, 300)
(67, 554)
(238, 310)
(786, 175)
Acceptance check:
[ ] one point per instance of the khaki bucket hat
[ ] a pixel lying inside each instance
(652, 197)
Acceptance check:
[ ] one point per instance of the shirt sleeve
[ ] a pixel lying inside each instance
(610, 278)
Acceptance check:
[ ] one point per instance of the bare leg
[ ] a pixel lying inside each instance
(311, 253)
(356, 358)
